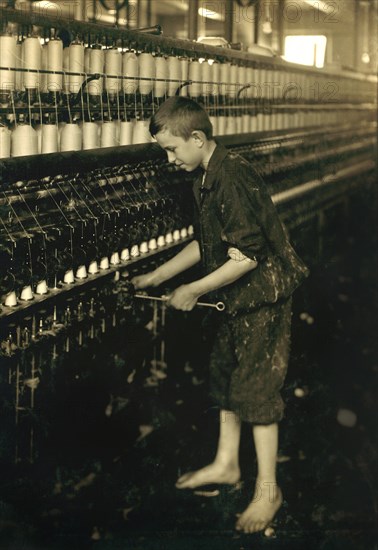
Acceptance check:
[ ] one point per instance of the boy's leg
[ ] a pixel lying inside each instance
(267, 496)
(225, 468)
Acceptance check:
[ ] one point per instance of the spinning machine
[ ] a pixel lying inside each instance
(86, 199)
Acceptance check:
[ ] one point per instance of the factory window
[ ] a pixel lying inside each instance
(306, 50)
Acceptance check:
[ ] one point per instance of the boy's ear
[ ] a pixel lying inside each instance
(198, 137)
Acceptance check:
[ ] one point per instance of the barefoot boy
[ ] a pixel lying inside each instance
(248, 263)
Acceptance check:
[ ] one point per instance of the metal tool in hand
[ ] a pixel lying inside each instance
(218, 306)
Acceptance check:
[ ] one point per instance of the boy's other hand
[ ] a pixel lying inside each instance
(144, 281)
(183, 298)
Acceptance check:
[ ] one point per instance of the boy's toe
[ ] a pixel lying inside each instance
(184, 480)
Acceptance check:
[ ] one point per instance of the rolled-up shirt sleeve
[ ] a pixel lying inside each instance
(235, 254)
(241, 231)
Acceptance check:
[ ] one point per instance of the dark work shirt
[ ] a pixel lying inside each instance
(234, 209)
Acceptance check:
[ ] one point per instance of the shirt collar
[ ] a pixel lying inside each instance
(219, 154)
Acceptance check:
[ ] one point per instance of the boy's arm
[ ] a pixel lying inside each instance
(185, 297)
(186, 258)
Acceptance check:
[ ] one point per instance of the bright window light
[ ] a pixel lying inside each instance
(306, 50)
(210, 14)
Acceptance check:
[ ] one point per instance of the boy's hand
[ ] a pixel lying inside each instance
(183, 298)
(146, 280)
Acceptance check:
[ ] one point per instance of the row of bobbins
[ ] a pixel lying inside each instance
(49, 137)
(116, 259)
(129, 72)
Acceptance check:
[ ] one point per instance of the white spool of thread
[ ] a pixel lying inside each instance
(87, 54)
(160, 241)
(115, 259)
(286, 119)
(152, 244)
(93, 267)
(243, 81)
(215, 77)
(253, 124)
(225, 75)
(264, 84)
(43, 77)
(69, 277)
(211, 88)
(38, 129)
(252, 91)
(99, 128)
(10, 299)
(32, 60)
(222, 124)
(231, 127)
(5, 142)
(143, 247)
(280, 120)
(245, 123)
(261, 77)
(104, 263)
(258, 122)
(8, 53)
(174, 73)
(24, 141)
(146, 70)
(125, 255)
(195, 89)
(71, 137)
(90, 135)
(130, 68)
(242, 78)
(134, 252)
(184, 62)
(305, 86)
(19, 78)
(96, 65)
(55, 63)
(286, 91)
(272, 77)
(161, 67)
(49, 138)
(141, 132)
(81, 272)
(239, 124)
(108, 134)
(113, 66)
(118, 130)
(267, 122)
(126, 132)
(176, 235)
(41, 287)
(26, 293)
(66, 68)
(61, 125)
(214, 123)
(76, 60)
(206, 77)
(234, 84)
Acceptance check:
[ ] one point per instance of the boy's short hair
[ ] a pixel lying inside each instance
(181, 116)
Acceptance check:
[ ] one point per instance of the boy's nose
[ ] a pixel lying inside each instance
(171, 157)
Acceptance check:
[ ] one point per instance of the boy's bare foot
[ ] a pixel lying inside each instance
(264, 506)
(213, 473)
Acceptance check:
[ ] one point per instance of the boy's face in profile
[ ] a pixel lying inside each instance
(186, 154)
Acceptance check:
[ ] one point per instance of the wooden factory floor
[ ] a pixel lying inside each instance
(111, 485)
